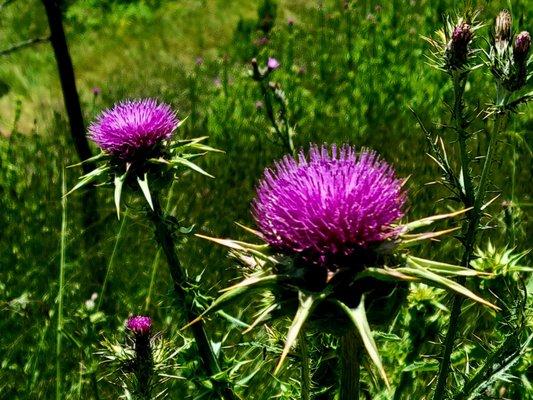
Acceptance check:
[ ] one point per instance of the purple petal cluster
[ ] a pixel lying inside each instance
(272, 64)
(133, 126)
(139, 324)
(330, 203)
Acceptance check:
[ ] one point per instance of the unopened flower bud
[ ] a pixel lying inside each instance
(458, 47)
(521, 46)
(502, 30)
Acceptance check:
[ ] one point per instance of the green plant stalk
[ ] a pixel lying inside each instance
(155, 262)
(306, 373)
(285, 136)
(498, 360)
(473, 219)
(111, 261)
(165, 240)
(468, 197)
(59, 331)
(459, 83)
(349, 356)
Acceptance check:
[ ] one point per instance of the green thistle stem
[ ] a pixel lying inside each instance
(349, 356)
(473, 219)
(144, 366)
(282, 132)
(459, 83)
(59, 332)
(165, 239)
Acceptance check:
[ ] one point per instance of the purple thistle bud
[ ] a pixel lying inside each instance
(462, 34)
(290, 21)
(132, 127)
(458, 47)
(521, 46)
(96, 90)
(139, 325)
(272, 64)
(199, 61)
(328, 205)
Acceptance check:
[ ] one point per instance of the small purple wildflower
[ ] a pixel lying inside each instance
(328, 205)
(263, 41)
(290, 21)
(199, 61)
(96, 90)
(140, 325)
(133, 126)
(272, 64)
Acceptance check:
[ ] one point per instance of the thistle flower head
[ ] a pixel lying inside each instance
(139, 325)
(502, 30)
(521, 46)
(329, 204)
(452, 45)
(457, 50)
(133, 126)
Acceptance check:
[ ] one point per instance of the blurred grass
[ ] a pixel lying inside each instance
(136, 49)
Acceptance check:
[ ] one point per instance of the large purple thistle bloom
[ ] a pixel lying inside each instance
(329, 204)
(133, 126)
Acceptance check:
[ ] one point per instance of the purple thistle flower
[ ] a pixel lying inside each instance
(272, 64)
(263, 41)
(328, 205)
(133, 126)
(458, 47)
(522, 44)
(139, 324)
(96, 90)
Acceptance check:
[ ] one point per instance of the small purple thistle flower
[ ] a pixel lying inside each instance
(263, 41)
(458, 48)
(521, 46)
(272, 64)
(462, 34)
(139, 325)
(328, 205)
(96, 90)
(133, 126)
